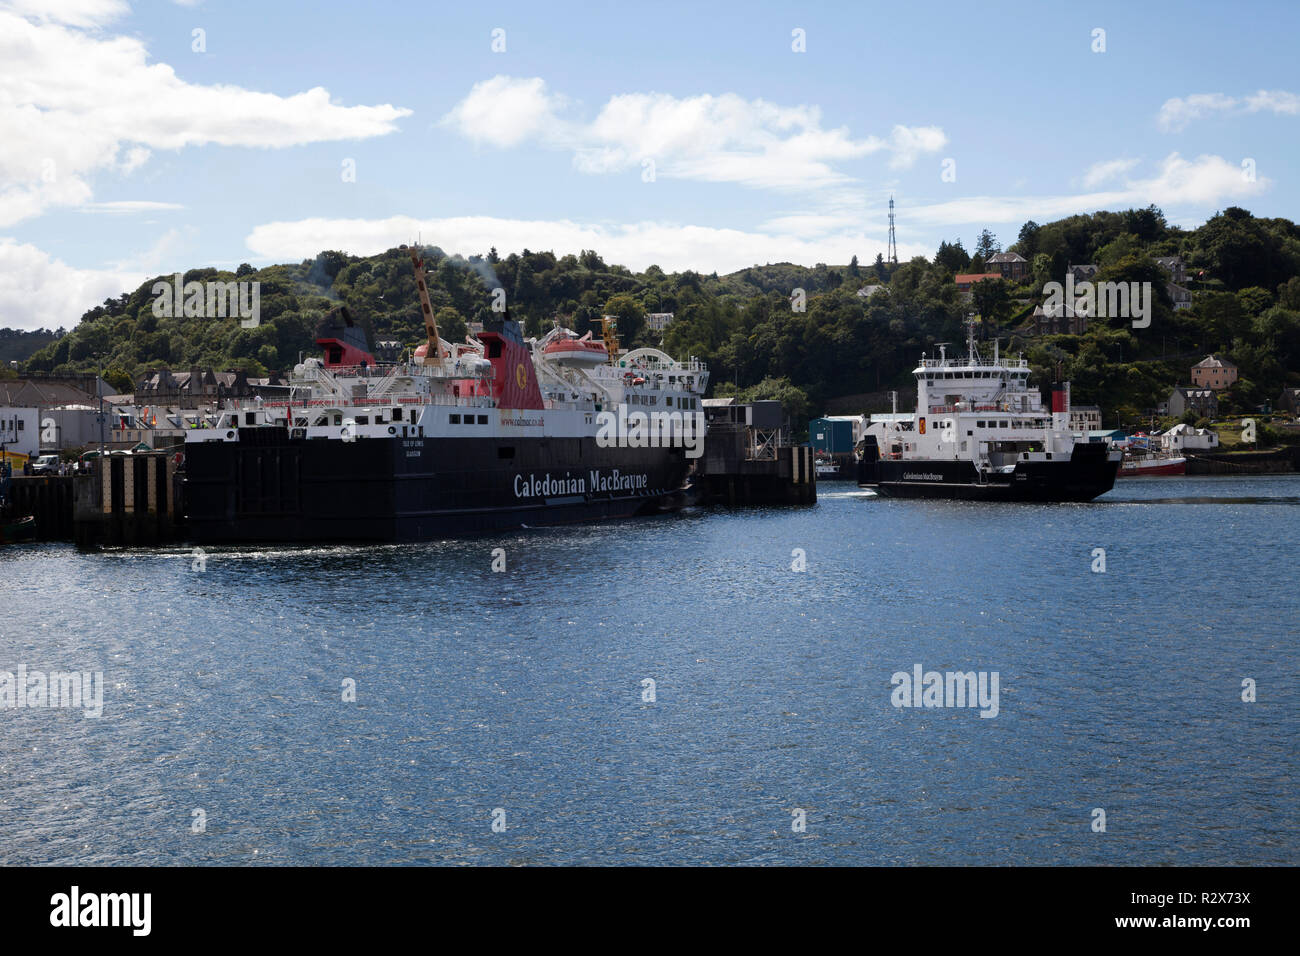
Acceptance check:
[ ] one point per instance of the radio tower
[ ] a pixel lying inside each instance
(893, 246)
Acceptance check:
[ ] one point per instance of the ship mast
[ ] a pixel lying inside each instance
(432, 350)
(972, 355)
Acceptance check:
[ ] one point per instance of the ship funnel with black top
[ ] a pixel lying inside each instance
(343, 340)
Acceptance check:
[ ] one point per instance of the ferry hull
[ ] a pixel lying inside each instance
(268, 487)
(1088, 473)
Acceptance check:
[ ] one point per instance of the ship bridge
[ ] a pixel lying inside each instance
(974, 384)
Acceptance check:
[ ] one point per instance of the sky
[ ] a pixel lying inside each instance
(139, 139)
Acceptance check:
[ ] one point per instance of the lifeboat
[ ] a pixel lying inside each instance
(572, 351)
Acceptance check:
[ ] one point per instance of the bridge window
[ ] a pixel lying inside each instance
(454, 419)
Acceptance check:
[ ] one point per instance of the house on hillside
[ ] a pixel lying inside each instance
(1201, 401)
(1175, 267)
(658, 321)
(1214, 372)
(1290, 400)
(1180, 295)
(193, 388)
(966, 280)
(1059, 319)
(1082, 273)
(867, 291)
(1012, 265)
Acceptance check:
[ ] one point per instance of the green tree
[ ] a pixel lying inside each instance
(451, 324)
(992, 299)
(120, 379)
(952, 256)
(631, 317)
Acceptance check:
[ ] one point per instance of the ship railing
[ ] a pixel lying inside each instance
(955, 363)
(385, 370)
(451, 401)
(385, 383)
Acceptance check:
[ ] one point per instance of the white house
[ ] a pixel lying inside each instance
(20, 430)
(1085, 418)
(1184, 437)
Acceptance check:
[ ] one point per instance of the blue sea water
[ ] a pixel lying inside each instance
(522, 691)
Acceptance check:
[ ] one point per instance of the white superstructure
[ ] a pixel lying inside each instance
(979, 410)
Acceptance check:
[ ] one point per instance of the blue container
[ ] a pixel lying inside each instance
(830, 436)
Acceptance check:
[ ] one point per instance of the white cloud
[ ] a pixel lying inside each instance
(504, 112)
(908, 143)
(1177, 112)
(125, 206)
(1206, 181)
(672, 246)
(831, 233)
(1104, 172)
(77, 13)
(1277, 101)
(38, 291)
(76, 102)
(723, 138)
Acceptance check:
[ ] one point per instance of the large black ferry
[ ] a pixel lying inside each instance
(494, 433)
(980, 433)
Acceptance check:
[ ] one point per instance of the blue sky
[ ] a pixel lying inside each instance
(127, 153)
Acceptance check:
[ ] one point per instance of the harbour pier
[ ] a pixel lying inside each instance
(748, 459)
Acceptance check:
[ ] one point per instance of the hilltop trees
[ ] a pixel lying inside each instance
(952, 257)
(987, 245)
(1244, 273)
(1244, 251)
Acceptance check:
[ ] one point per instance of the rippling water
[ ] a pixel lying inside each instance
(523, 690)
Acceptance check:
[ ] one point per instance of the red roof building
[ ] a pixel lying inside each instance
(968, 279)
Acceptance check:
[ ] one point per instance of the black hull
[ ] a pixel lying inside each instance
(269, 488)
(1089, 472)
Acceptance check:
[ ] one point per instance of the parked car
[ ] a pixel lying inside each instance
(46, 465)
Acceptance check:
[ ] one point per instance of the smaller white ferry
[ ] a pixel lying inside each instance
(980, 432)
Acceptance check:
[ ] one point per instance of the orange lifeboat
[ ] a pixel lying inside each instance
(572, 351)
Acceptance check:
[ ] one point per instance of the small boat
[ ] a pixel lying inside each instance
(568, 350)
(1149, 466)
(17, 529)
(826, 468)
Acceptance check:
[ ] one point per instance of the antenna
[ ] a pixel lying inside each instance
(972, 353)
(893, 245)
